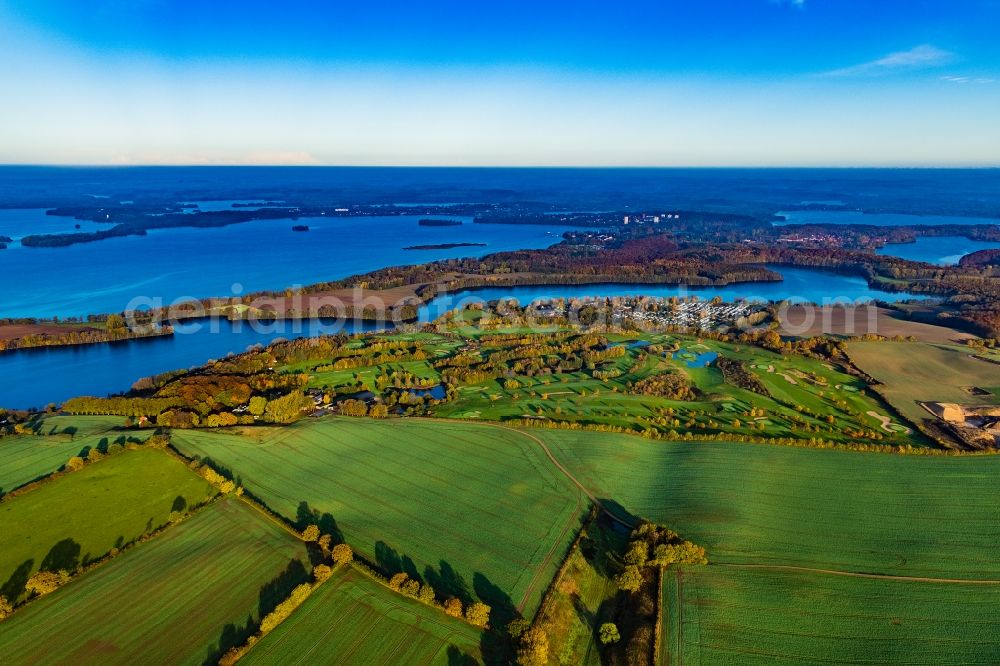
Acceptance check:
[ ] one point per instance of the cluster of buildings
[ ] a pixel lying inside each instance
(656, 313)
(646, 218)
(692, 314)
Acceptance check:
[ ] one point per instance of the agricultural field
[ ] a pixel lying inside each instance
(49, 444)
(353, 619)
(182, 598)
(825, 508)
(720, 615)
(474, 510)
(77, 518)
(912, 372)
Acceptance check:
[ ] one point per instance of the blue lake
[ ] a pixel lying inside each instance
(36, 377)
(169, 264)
(16, 223)
(941, 250)
(876, 219)
(699, 361)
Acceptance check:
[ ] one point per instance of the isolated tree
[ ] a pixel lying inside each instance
(321, 572)
(342, 553)
(478, 614)
(609, 633)
(310, 533)
(75, 463)
(6, 608)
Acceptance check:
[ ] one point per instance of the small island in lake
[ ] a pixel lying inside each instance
(300, 227)
(443, 246)
(432, 222)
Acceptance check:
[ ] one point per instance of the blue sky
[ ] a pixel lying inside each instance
(673, 82)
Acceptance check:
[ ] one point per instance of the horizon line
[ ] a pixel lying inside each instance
(231, 165)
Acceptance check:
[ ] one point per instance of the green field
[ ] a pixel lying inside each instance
(824, 508)
(353, 619)
(24, 458)
(474, 510)
(172, 600)
(81, 516)
(913, 371)
(721, 615)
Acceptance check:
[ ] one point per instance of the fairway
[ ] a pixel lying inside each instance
(353, 619)
(720, 615)
(171, 600)
(822, 508)
(24, 458)
(79, 517)
(472, 509)
(912, 372)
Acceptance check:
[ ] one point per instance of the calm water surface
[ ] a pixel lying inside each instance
(168, 264)
(941, 250)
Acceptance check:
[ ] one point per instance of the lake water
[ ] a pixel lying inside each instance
(876, 219)
(36, 377)
(16, 223)
(941, 250)
(168, 264)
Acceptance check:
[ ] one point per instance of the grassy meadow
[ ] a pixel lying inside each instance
(914, 371)
(81, 516)
(822, 508)
(353, 619)
(53, 441)
(720, 615)
(474, 510)
(181, 598)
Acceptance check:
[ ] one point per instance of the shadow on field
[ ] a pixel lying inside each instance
(270, 595)
(458, 658)
(502, 609)
(15, 585)
(327, 524)
(619, 512)
(64, 555)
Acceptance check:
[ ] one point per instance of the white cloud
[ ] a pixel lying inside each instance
(919, 57)
(968, 79)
